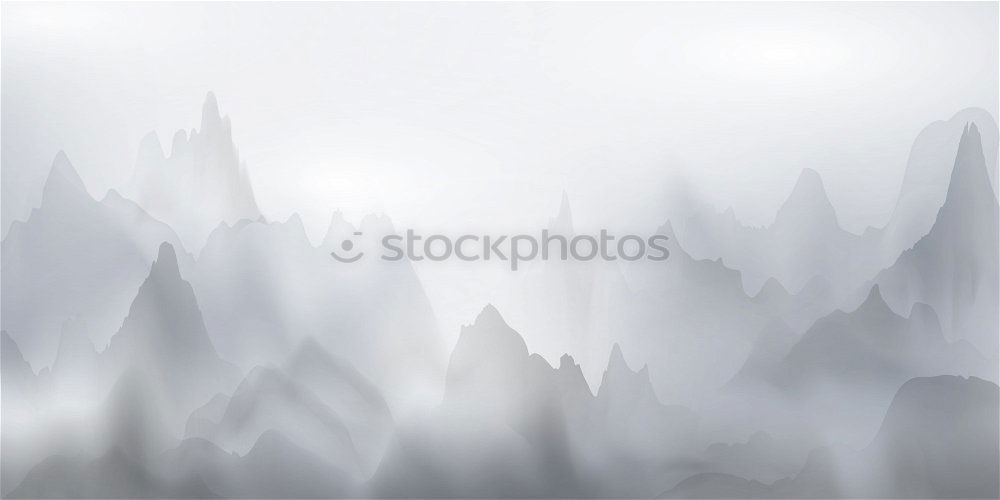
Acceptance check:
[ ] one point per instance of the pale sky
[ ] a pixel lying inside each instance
(455, 116)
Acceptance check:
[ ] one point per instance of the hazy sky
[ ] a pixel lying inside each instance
(451, 116)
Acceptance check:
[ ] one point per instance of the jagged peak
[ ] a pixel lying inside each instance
(566, 362)
(338, 229)
(62, 177)
(618, 364)
(491, 330)
(969, 173)
(618, 375)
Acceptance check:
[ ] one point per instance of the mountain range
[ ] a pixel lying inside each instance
(183, 345)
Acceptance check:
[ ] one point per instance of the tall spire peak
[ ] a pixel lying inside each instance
(969, 172)
(165, 264)
(211, 119)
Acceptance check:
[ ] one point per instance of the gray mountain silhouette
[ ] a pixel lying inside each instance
(74, 257)
(265, 288)
(558, 294)
(818, 363)
(630, 413)
(927, 174)
(164, 337)
(847, 364)
(671, 318)
(201, 183)
(506, 408)
(954, 268)
(805, 240)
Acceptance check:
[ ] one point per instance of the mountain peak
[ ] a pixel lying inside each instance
(492, 336)
(489, 315)
(807, 205)
(617, 359)
(211, 119)
(772, 289)
(165, 264)
(619, 380)
(338, 230)
(62, 178)
(566, 362)
(810, 179)
(618, 368)
(874, 303)
(969, 173)
(294, 223)
(488, 356)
